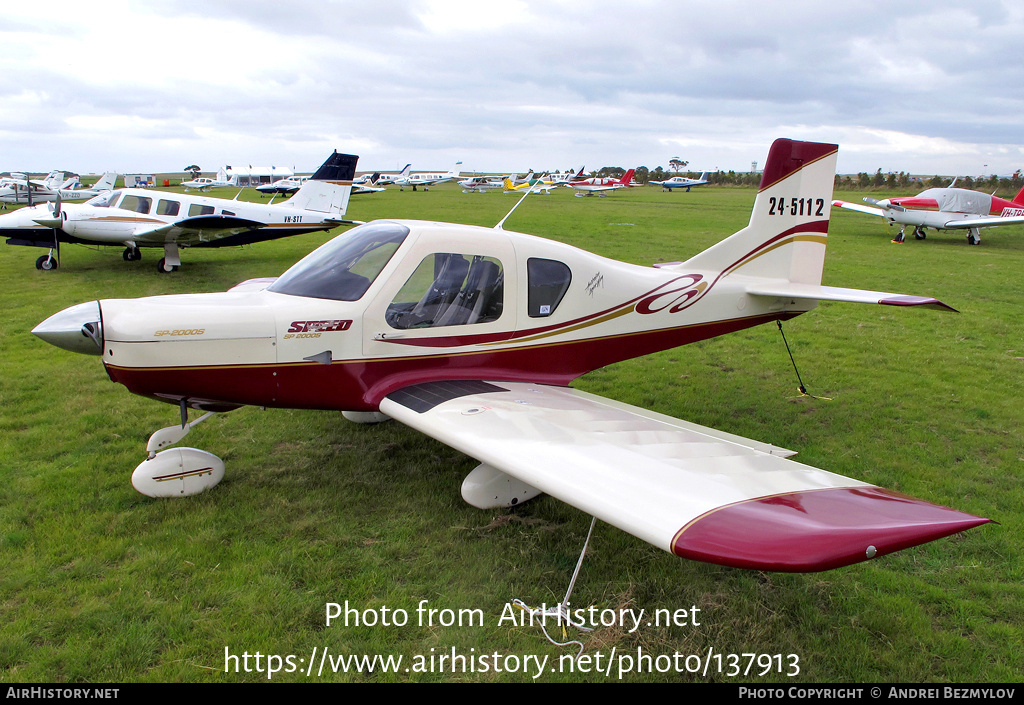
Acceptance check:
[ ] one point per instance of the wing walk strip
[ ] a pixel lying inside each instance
(693, 491)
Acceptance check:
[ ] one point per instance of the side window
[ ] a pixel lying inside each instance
(196, 209)
(139, 204)
(548, 282)
(167, 207)
(449, 289)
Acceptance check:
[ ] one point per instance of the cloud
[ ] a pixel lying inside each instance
(510, 85)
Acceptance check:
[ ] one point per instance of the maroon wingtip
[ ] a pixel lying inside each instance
(816, 530)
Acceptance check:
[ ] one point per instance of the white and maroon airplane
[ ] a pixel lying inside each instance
(472, 335)
(601, 185)
(945, 209)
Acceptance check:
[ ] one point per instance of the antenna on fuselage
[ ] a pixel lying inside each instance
(502, 221)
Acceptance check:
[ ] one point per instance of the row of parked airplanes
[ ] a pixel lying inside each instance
(137, 218)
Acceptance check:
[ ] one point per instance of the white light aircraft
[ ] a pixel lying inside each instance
(481, 184)
(282, 187)
(31, 192)
(560, 177)
(601, 186)
(205, 183)
(945, 209)
(379, 179)
(681, 182)
(472, 335)
(426, 179)
(136, 218)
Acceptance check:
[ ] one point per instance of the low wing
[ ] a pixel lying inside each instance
(195, 229)
(986, 222)
(859, 208)
(690, 490)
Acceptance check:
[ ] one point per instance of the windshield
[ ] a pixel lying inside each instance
(344, 268)
(104, 200)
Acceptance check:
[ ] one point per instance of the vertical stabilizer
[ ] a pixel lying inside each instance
(329, 188)
(785, 239)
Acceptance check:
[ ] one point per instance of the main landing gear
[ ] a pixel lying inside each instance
(170, 261)
(47, 262)
(973, 236)
(919, 234)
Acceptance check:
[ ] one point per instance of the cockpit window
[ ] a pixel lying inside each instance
(139, 204)
(549, 280)
(344, 268)
(449, 289)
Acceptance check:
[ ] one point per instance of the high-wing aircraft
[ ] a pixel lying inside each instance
(945, 209)
(138, 218)
(681, 182)
(481, 184)
(31, 192)
(601, 186)
(472, 335)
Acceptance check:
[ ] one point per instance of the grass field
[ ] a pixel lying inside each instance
(102, 584)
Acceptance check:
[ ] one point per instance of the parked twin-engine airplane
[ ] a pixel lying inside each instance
(472, 336)
(601, 186)
(146, 218)
(31, 192)
(681, 182)
(945, 209)
(425, 179)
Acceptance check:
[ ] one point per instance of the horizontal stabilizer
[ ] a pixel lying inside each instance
(859, 208)
(789, 290)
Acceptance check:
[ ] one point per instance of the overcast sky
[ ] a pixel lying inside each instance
(930, 86)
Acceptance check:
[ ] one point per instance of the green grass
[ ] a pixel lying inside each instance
(102, 584)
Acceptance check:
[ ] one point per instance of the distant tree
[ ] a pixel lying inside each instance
(878, 179)
(641, 175)
(677, 164)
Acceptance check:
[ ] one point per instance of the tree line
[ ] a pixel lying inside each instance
(896, 181)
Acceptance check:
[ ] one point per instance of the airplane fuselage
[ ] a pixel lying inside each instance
(268, 347)
(125, 216)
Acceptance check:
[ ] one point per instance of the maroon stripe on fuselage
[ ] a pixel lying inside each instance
(817, 529)
(359, 385)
